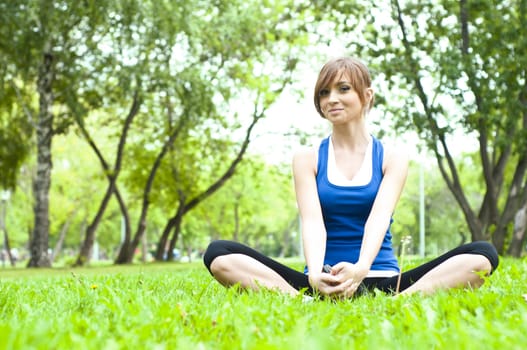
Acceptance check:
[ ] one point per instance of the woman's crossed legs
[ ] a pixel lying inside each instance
(234, 263)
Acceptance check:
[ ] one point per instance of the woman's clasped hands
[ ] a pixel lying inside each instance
(341, 282)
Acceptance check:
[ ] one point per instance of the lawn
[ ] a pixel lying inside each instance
(179, 306)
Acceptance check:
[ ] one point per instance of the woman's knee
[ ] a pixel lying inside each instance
(480, 263)
(220, 265)
(214, 250)
(489, 254)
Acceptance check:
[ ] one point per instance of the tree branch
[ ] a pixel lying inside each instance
(452, 180)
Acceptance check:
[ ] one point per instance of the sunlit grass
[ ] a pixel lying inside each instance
(179, 306)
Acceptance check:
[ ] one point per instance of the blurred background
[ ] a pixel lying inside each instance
(141, 130)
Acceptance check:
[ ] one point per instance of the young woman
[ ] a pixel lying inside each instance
(347, 189)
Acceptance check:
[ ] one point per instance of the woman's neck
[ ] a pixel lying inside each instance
(351, 137)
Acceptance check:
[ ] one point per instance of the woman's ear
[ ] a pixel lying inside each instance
(370, 94)
(370, 97)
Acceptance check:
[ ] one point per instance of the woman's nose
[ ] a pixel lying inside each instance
(332, 96)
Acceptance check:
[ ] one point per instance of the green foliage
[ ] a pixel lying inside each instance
(15, 136)
(13, 151)
(19, 218)
(452, 72)
(256, 207)
(191, 63)
(445, 225)
(179, 306)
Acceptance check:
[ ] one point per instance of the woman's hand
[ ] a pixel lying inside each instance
(349, 276)
(323, 282)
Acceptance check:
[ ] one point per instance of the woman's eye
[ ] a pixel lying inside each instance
(323, 92)
(345, 88)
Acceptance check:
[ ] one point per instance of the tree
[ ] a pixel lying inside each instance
(111, 174)
(214, 76)
(171, 72)
(43, 43)
(458, 70)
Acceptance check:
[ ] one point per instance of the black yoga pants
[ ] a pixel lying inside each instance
(300, 281)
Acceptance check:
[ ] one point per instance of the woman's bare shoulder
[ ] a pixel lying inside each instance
(305, 152)
(305, 157)
(395, 155)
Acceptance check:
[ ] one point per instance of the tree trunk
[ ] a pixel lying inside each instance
(3, 229)
(7, 247)
(127, 226)
(87, 245)
(89, 238)
(42, 182)
(520, 228)
(144, 248)
(62, 236)
(162, 244)
(127, 250)
(175, 236)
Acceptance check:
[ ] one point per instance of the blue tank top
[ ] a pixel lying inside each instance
(345, 210)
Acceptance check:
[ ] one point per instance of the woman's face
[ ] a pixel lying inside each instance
(340, 102)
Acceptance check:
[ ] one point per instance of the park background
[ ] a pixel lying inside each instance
(133, 132)
(142, 130)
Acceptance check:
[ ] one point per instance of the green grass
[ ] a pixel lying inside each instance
(179, 306)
